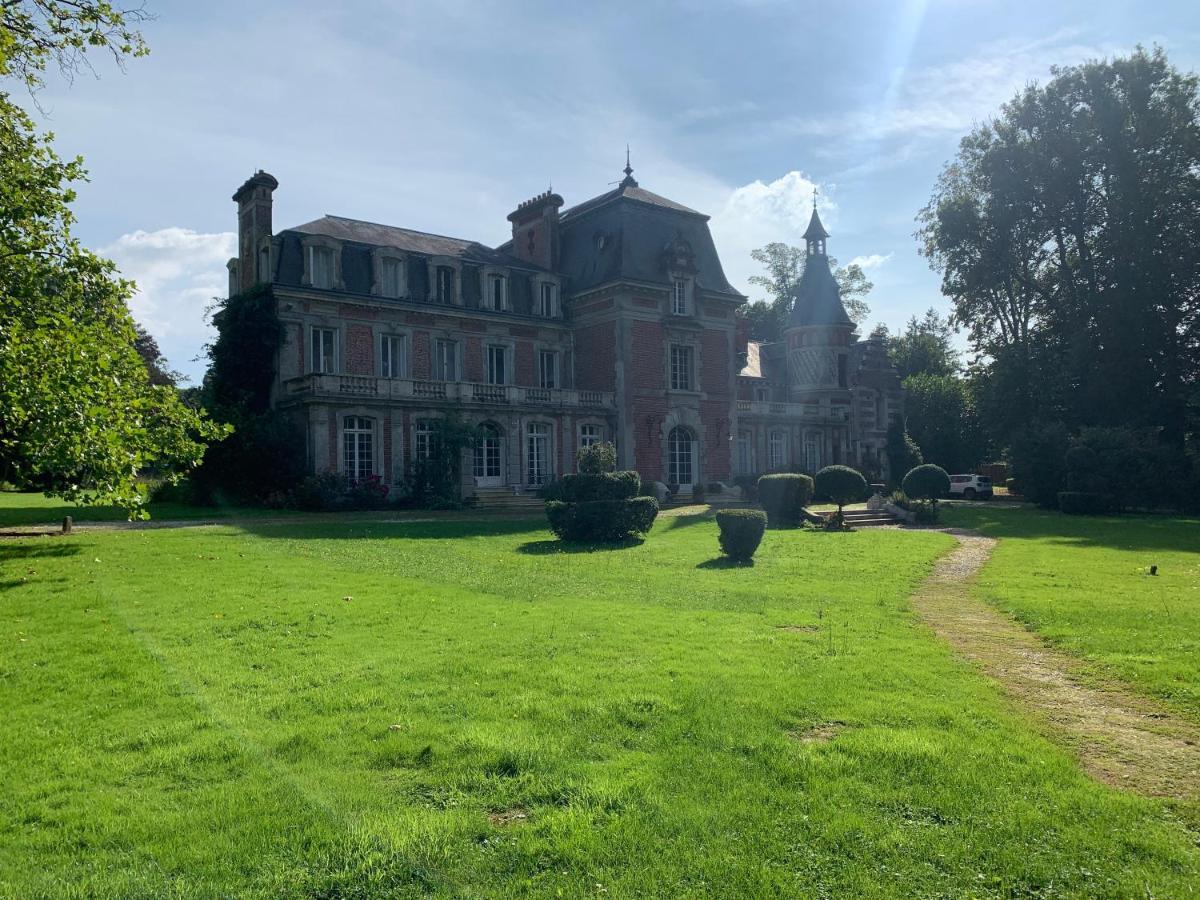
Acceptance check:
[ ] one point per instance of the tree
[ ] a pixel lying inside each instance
(767, 319)
(156, 364)
(79, 415)
(903, 453)
(941, 418)
(1067, 233)
(841, 484)
(925, 346)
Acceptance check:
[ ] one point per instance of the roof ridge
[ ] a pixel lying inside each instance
(447, 237)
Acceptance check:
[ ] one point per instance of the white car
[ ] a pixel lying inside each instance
(971, 487)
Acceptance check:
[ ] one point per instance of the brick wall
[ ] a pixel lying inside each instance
(421, 357)
(360, 355)
(473, 360)
(714, 416)
(524, 371)
(648, 414)
(647, 365)
(715, 369)
(596, 357)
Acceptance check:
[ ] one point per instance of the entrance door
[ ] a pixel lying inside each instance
(489, 457)
(681, 458)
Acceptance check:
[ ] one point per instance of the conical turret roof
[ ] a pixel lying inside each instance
(816, 231)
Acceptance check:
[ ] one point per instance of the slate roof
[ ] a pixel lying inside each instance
(406, 239)
(815, 230)
(818, 301)
(624, 235)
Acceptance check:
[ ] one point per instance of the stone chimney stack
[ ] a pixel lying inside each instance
(535, 230)
(254, 261)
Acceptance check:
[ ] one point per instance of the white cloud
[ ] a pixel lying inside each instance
(178, 272)
(871, 260)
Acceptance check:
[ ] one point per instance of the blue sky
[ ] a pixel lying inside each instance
(443, 116)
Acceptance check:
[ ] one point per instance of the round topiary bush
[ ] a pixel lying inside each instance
(927, 482)
(741, 532)
(842, 485)
(599, 504)
(784, 497)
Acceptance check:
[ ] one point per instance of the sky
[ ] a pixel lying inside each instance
(443, 116)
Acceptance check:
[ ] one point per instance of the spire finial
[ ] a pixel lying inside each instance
(628, 180)
(814, 196)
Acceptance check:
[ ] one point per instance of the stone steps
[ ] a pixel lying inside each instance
(866, 518)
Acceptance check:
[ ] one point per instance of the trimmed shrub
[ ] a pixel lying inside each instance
(927, 482)
(604, 521)
(741, 531)
(1086, 503)
(597, 486)
(596, 459)
(841, 484)
(784, 497)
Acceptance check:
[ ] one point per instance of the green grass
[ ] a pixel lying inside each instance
(1083, 583)
(23, 508)
(333, 709)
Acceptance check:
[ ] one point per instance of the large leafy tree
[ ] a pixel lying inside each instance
(79, 415)
(784, 265)
(925, 346)
(1067, 233)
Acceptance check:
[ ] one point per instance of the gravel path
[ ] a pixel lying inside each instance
(1119, 737)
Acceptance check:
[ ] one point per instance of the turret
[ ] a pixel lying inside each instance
(254, 262)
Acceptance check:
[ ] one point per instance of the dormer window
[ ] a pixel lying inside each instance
(679, 304)
(497, 292)
(391, 277)
(321, 267)
(445, 284)
(547, 299)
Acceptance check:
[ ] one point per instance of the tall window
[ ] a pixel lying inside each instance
(589, 434)
(321, 267)
(546, 298)
(358, 437)
(392, 356)
(497, 293)
(776, 450)
(423, 442)
(679, 297)
(680, 453)
(681, 367)
(497, 365)
(445, 284)
(324, 351)
(391, 280)
(537, 453)
(842, 370)
(745, 463)
(445, 360)
(547, 369)
(488, 455)
(761, 394)
(812, 451)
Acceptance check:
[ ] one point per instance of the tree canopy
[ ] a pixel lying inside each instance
(79, 414)
(784, 266)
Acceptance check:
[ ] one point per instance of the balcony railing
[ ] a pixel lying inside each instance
(358, 386)
(806, 411)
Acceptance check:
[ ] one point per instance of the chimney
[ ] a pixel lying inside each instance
(535, 230)
(254, 223)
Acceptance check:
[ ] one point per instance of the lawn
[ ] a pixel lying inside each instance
(24, 508)
(1083, 583)
(461, 708)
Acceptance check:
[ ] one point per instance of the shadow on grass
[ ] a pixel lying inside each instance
(414, 527)
(549, 548)
(1133, 531)
(28, 552)
(725, 562)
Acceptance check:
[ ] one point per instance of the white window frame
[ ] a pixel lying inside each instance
(358, 447)
(776, 449)
(539, 453)
(440, 296)
(553, 381)
(318, 363)
(745, 449)
(439, 371)
(590, 433)
(812, 451)
(502, 373)
(682, 365)
(319, 251)
(547, 299)
(422, 439)
(492, 280)
(679, 298)
(679, 451)
(393, 356)
(391, 273)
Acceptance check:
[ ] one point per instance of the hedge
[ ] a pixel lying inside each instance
(598, 486)
(784, 497)
(741, 531)
(601, 520)
(1086, 503)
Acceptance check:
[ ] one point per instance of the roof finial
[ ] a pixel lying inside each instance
(628, 180)
(814, 196)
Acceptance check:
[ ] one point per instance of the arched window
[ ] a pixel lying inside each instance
(358, 447)
(681, 456)
(776, 449)
(489, 455)
(537, 453)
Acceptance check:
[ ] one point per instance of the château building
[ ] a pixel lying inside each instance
(611, 320)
